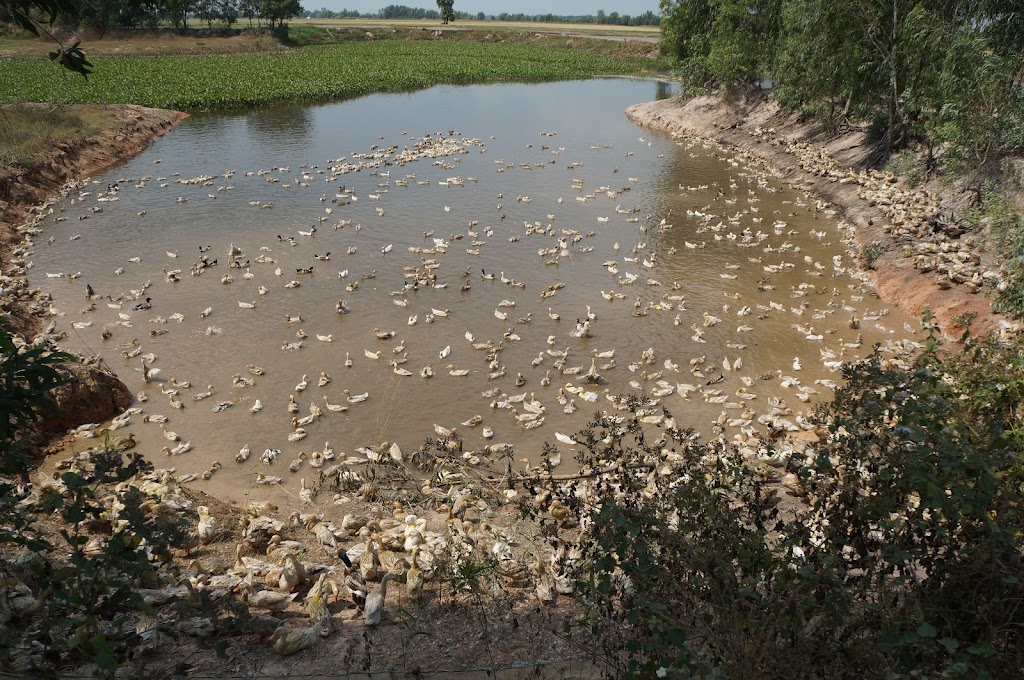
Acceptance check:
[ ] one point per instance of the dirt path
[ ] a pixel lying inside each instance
(763, 131)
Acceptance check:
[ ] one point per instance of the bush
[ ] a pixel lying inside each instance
(917, 509)
(869, 254)
(1008, 230)
(115, 537)
(909, 166)
(902, 561)
(27, 374)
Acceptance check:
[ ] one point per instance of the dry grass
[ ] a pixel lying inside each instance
(29, 131)
(491, 26)
(148, 43)
(169, 43)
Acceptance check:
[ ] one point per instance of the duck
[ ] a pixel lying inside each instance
(373, 610)
(355, 398)
(414, 578)
(266, 599)
(306, 494)
(337, 408)
(369, 561)
(297, 463)
(287, 642)
(207, 526)
(292, 573)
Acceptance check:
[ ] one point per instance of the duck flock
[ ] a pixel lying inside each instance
(324, 315)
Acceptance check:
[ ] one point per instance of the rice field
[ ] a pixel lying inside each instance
(315, 73)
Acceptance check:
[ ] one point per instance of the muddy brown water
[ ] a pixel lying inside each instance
(691, 231)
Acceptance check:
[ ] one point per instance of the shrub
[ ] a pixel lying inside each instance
(115, 536)
(917, 508)
(909, 166)
(903, 560)
(869, 254)
(27, 374)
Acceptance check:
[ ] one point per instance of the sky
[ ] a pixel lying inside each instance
(562, 7)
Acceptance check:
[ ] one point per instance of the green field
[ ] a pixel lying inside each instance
(315, 73)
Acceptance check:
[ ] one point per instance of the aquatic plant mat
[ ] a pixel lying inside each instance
(315, 73)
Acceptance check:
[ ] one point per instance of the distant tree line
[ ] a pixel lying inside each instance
(611, 18)
(403, 12)
(943, 73)
(102, 15)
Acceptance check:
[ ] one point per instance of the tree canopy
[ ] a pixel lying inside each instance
(935, 71)
(447, 11)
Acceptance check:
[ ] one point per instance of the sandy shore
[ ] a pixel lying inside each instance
(894, 276)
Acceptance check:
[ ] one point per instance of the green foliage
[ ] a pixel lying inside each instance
(981, 115)
(917, 509)
(1005, 223)
(673, 548)
(27, 374)
(447, 11)
(115, 539)
(29, 14)
(309, 74)
(944, 73)
(72, 58)
(721, 41)
(907, 165)
(869, 253)
(904, 560)
(277, 11)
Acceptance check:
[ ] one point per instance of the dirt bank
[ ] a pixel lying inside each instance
(25, 191)
(830, 167)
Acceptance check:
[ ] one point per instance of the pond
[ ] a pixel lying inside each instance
(525, 234)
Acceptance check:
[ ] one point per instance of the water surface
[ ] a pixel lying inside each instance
(707, 263)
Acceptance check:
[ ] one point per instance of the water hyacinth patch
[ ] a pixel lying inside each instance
(315, 73)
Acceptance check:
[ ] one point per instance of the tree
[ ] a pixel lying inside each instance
(447, 13)
(31, 14)
(278, 10)
(227, 11)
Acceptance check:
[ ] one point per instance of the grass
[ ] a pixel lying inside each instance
(145, 43)
(315, 73)
(28, 132)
